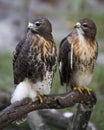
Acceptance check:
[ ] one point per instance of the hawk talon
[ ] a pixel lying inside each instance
(40, 97)
(81, 89)
(88, 90)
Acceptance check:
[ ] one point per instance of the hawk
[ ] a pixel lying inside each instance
(77, 56)
(34, 61)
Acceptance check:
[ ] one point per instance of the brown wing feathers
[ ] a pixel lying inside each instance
(64, 61)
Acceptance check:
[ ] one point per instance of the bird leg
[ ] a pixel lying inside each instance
(40, 97)
(81, 89)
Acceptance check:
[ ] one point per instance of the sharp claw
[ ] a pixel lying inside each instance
(88, 90)
(40, 97)
(81, 89)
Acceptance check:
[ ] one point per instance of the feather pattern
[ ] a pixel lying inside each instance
(77, 55)
(34, 62)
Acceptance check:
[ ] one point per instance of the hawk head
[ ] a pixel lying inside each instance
(40, 25)
(86, 27)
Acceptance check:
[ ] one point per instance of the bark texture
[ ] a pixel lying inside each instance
(58, 101)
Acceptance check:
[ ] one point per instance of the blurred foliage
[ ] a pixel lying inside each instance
(96, 16)
(98, 80)
(98, 114)
(5, 70)
(52, 2)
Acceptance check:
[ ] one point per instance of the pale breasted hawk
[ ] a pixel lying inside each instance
(77, 55)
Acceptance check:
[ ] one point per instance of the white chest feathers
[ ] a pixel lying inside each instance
(28, 89)
(44, 86)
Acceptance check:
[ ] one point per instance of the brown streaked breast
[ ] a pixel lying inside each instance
(82, 46)
(40, 44)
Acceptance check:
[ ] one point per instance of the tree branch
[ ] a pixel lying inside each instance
(18, 109)
(82, 117)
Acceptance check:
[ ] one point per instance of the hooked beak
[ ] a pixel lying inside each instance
(30, 25)
(78, 25)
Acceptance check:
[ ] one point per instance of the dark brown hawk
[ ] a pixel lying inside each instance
(77, 55)
(34, 62)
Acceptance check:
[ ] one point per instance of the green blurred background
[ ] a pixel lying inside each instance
(63, 14)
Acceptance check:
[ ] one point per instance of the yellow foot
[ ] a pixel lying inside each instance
(40, 96)
(88, 90)
(81, 89)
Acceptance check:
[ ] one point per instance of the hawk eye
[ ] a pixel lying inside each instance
(37, 23)
(85, 25)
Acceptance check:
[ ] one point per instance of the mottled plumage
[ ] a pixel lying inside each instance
(34, 62)
(78, 54)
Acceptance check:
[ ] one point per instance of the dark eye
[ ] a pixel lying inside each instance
(85, 25)
(37, 24)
